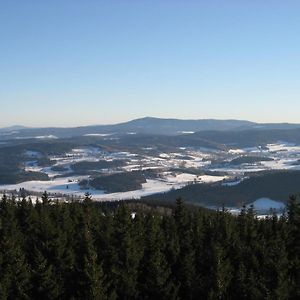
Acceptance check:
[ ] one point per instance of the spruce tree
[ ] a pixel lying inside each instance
(91, 280)
(125, 259)
(14, 275)
(44, 281)
(155, 274)
(294, 245)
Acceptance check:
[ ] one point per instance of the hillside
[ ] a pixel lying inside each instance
(274, 185)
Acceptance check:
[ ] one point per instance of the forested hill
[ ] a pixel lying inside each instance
(54, 250)
(275, 185)
(147, 125)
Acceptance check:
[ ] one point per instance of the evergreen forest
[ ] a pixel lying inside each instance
(84, 250)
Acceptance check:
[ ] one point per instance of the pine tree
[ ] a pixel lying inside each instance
(91, 280)
(294, 245)
(45, 198)
(220, 273)
(14, 275)
(44, 281)
(125, 257)
(155, 275)
(185, 267)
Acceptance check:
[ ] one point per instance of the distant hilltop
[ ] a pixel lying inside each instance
(147, 125)
(12, 128)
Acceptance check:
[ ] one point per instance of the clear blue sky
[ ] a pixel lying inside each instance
(66, 63)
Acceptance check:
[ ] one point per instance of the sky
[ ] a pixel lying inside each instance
(83, 62)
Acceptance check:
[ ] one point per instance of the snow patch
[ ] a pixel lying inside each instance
(185, 132)
(265, 204)
(236, 151)
(50, 136)
(98, 134)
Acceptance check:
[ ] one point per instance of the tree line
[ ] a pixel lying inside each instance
(80, 250)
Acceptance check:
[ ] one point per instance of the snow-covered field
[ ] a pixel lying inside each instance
(285, 157)
(175, 169)
(69, 186)
(265, 204)
(262, 207)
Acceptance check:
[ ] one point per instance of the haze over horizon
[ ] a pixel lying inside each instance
(72, 63)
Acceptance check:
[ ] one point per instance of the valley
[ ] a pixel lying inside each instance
(207, 168)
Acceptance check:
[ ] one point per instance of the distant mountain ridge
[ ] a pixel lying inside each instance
(175, 126)
(12, 128)
(148, 125)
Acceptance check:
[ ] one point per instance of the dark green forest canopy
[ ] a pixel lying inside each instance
(249, 160)
(120, 182)
(87, 250)
(86, 166)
